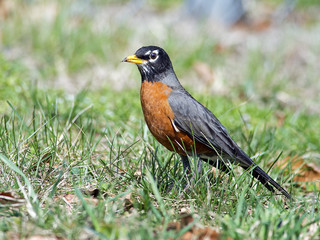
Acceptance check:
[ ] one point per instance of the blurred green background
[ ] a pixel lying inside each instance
(271, 56)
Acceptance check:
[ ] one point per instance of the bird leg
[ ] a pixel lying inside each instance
(187, 167)
(186, 164)
(187, 170)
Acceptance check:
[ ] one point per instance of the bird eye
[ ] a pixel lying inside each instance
(153, 55)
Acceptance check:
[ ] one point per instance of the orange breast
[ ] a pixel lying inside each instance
(159, 116)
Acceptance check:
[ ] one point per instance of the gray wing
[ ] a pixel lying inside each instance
(199, 123)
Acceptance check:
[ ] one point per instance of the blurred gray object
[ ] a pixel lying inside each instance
(227, 12)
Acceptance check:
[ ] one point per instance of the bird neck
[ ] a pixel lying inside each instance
(167, 77)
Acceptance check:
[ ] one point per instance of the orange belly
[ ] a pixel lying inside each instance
(159, 116)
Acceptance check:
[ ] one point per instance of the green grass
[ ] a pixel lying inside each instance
(56, 147)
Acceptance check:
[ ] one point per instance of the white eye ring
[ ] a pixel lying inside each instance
(153, 55)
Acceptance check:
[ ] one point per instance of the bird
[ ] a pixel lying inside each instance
(182, 124)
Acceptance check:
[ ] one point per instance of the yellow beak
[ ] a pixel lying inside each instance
(134, 59)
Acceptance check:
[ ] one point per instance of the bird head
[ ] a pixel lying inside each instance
(152, 61)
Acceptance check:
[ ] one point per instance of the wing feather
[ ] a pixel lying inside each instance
(197, 121)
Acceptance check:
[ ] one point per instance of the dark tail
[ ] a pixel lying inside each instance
(246, 162)
(267, 181)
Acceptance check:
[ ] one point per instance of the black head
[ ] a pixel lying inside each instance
(153, 62)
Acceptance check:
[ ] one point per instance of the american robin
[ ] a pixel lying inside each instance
(181, 123)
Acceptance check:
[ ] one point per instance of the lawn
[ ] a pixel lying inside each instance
(77, 160)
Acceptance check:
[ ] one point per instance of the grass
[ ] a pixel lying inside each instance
(86, 166)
